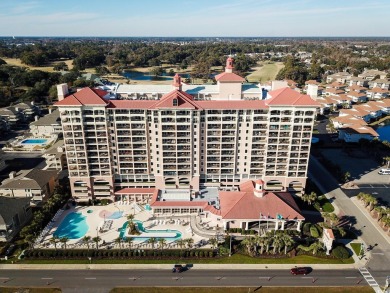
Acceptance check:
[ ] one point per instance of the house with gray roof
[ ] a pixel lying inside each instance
(36, 184)
(12, 115)
(14, 214)
(47, 125)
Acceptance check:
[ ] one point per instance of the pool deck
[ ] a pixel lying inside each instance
(95, 222)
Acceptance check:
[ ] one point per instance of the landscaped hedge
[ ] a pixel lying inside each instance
(116, 253)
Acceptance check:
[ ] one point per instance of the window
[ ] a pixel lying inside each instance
(174, 102)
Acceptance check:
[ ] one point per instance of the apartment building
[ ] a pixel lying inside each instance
(186, 141)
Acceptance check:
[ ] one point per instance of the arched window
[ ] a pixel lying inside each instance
(174, 102)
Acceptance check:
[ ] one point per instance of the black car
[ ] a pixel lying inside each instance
(179, 268)
(10, 250)
(300, 270)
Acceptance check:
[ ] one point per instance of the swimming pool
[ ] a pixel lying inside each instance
(34, 141)
(143, 237)
(74, 226)
(115, 215)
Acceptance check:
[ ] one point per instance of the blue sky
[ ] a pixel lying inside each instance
(194, 18)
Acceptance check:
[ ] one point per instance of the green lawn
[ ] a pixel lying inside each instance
(265, 71)
(356, 247)
(360, 289)
(234, 259)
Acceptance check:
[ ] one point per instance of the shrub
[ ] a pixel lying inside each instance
(306, 228)
(314, 232)
(340, 252)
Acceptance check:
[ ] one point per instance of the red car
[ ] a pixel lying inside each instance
(300, 271)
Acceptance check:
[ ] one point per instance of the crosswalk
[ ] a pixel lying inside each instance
(370, 279)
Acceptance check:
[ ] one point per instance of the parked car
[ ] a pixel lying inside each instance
(10, 250)
(301, 270)
(179, 268)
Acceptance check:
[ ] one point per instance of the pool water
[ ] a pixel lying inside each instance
(74, 226)
(115, 215)
(148, 207)
(34, 141)
(142, 229)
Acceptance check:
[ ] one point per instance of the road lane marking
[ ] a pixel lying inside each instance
(380, 253)
(350, 277)
(47, 278)
(307, 277)
(90, 278)
(264, 277)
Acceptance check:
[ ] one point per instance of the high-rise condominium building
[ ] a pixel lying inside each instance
(186, 138)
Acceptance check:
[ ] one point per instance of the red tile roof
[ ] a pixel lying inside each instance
(227, 76)
(244, 205)
(184, 100)
(287, 96)
(86, 96)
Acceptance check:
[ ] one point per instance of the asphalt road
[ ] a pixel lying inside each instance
(104, 280)
(351, 215)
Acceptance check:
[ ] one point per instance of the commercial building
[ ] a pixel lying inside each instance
(185, 141)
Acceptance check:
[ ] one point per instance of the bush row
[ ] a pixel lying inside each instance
(116, 253)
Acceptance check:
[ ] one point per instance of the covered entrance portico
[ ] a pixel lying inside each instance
(264, 225)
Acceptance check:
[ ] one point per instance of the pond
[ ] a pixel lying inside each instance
(384, 131)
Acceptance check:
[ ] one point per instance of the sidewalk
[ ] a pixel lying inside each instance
(356, 265)
(370, 218)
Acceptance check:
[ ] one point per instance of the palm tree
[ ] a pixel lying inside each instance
(129, 241)
(64, 240)
(30, 239)
(277, 242)
(162, 242)
(181, 243)
(130, 217)
(118, 241)
(54, 240)
(213, 242)
(387, 160)
(267, 241)
(86, 240)
(380, 211)
(152, 241)
(249, 243)
(260, 241)
(287, 241)
(316, 246)
(189, 242)
(97, 239)
(309, 198)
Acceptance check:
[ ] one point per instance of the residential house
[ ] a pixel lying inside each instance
(358, 81)
(35, 184)
(29, 110)
(47, 125)
(372, 74)
(357, 112)
(354, 133)
(357, 97)
(381, 83)
(341, 77)
(377, 93)
(12, 115)
(333, 91)
(55, 157)
(14, 214)
(356, 88)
